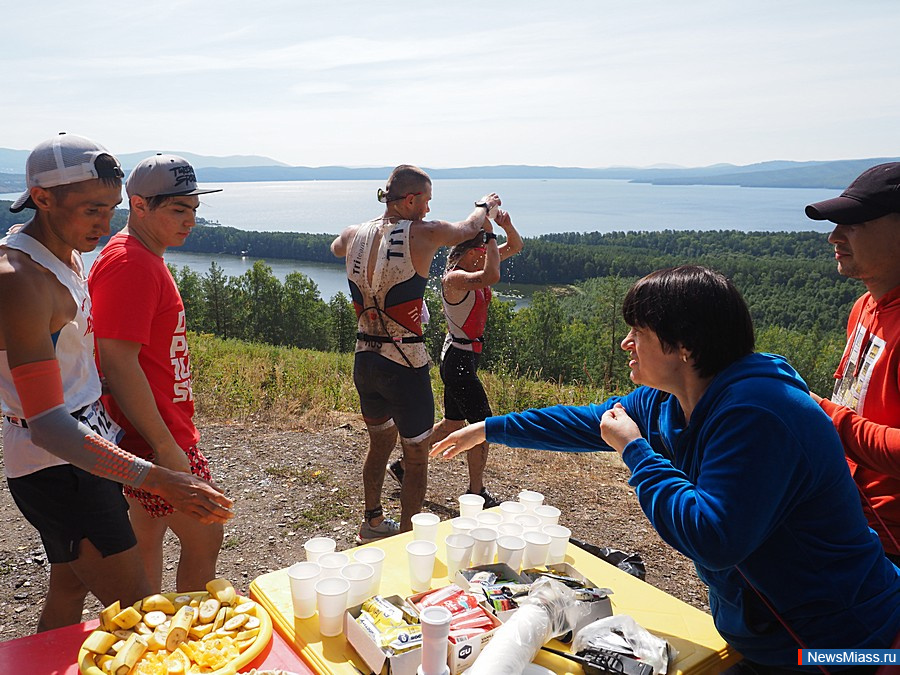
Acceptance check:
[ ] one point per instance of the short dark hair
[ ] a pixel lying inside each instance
(404, 179)
(110, 174)
(695, 308)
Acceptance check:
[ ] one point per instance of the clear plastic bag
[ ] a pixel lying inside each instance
(620, 633)
(550, 609)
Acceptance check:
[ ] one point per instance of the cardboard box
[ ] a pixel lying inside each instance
(400, 664)
(463, 653)
(503, 571)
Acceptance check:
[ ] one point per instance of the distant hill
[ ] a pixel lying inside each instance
(13, 161)
(834, 175)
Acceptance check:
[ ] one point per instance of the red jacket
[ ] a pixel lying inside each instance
(865, 408)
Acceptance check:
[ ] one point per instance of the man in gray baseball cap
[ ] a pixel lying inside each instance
(141, 332)
(865, 403)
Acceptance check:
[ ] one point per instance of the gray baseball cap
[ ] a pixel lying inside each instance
(163, 176)
(63, 160)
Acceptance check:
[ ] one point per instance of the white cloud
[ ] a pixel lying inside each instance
(566, 83)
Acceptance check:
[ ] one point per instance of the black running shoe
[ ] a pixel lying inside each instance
(395, 471)
(490, 501)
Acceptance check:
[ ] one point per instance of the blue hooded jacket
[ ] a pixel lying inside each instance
(758, 480)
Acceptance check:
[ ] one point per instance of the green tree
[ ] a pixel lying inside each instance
(190, 286)
(219, 309)
(341, 324)
(258, 307)
(304, 317)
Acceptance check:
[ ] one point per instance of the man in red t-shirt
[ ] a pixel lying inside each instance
(142, 351)
(865, 403)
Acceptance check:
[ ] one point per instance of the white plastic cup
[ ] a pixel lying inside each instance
(459, 553)
(549, 515)
(485, 547)
(420, 555)
(332, 564)
(318, 546)
(331, 596)
(510, 550)
(374, 558)
(529, 522)
(537, 546)
(435, 623)
(509, 510)
(303, 577)
(425, 526)
(470, 505)
(559, 542)
(360, 576)
(463, 524)
(511, 529)
(489, 519)
(531, 499)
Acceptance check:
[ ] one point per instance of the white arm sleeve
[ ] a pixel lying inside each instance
(59, 433)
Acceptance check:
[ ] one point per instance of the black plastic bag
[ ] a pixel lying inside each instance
(627, 562)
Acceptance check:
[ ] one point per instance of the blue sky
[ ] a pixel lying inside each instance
(459, 83)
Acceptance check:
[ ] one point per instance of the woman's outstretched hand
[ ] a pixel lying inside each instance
(459, 441)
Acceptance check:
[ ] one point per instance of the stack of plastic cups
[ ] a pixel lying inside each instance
(559, 542)
(435, 632)
(549, 515)
(303, 577)
(489, 519)
(459, 553)
(374, 557)
(509, 510)
(360, 575)
(463, 524)
(331, 597)
(332, 564)
(425, 526)
(531, 499)
(470, 505)
(537, 546)
(510, 550)
(420, 556)
(485, 547)
(318, 546)
(529, 522)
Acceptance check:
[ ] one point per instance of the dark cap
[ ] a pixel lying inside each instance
(874, 194)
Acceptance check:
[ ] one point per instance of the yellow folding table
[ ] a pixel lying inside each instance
(701, 650)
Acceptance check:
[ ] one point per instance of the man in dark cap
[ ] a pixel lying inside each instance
(865, 404)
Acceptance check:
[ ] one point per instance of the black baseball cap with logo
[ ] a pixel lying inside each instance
(875, 193)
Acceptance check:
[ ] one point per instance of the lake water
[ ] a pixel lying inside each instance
(536, 206)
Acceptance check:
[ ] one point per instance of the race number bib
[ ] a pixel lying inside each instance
(96, 417)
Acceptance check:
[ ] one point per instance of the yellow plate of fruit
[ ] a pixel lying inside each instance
(215, 632)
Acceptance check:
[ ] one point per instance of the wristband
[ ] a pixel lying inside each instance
(483, 205)
(489, 235)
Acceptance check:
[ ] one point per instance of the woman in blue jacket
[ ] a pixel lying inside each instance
(735, 467)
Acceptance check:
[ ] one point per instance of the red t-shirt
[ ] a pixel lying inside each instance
(134, 298)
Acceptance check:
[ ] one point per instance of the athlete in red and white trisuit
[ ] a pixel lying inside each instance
(466, 291)
(388, 260)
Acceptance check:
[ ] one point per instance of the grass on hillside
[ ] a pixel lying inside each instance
(289, 387)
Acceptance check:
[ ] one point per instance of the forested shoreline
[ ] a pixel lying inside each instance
(570, 332)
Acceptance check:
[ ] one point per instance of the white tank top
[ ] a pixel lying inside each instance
(391, 306)
(74, 350)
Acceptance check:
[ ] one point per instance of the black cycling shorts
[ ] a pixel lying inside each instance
(388, 390)
(66, 504)
(464, 396)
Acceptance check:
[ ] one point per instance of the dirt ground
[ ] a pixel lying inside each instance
(289, 485)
